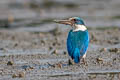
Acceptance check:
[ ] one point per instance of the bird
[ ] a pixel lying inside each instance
(78, 38)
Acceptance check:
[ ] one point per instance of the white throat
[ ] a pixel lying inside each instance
(79, 27)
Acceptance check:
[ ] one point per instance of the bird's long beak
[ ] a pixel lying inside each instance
(67, 22)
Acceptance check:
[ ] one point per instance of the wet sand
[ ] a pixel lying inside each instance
(42, 55)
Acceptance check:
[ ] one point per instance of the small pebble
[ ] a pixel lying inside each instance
(10, 18)
(21, 74)
(2, 49)
(114, 59)
(41, 35)
(113, 50)
(54, 43)
(13, 37)
(99, 59)
(34, 43)
(58, 44)
(109, 41)
(54, 52)
(92, 76)
(64, 52)
(16, 44)
(14, 76)
(10, 63)
(30, 68)
(59, 65)
(103, 49)
(50, 48)
(42, 42)
(93, 38)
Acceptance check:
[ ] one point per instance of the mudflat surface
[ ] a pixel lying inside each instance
(32, 47)
(43, 55)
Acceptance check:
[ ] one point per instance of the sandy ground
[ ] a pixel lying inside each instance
(43, 55)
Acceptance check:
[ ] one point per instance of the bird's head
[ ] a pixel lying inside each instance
(76, 23)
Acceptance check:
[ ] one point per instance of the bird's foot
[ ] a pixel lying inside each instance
(84, 62)
(70, 62)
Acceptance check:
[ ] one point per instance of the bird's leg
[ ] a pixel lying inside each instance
(70, 61)
(83, 60)
(85, 65)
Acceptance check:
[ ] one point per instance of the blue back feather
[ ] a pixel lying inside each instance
(77, 44)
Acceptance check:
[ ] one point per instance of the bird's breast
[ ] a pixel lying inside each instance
(79, 34)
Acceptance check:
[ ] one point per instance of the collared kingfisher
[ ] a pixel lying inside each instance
(78, 38)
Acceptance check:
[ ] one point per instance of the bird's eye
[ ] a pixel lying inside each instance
(74, 19)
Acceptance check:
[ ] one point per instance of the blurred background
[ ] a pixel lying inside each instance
(39, 13)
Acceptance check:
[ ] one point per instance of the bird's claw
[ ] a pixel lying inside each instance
(70, 62)
(84, 62)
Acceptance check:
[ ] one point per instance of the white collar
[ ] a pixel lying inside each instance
(79, 27)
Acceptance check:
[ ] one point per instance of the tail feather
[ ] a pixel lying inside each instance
(76, 55)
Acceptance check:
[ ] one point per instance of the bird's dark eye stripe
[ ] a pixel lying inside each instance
(74, 19)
